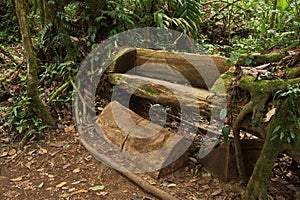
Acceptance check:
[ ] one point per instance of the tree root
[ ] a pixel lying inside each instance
(295, 60)
(294, 72)
(147, 187)
(25, 138)
(237, 143)
(257, 185)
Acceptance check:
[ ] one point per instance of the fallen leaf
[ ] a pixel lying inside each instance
(29, 158)
(102, 193)
(28, 165)
(194, 160)
(43, 151)
(41, 185)
(17, 179)
(5, 153)
(71, 189)
(193, 180)
(96, 188)
(5, 140)
(217, 192)
(12, 152)
(66, 166)
(50, 175)
(61, 184)
(69, 129)
(76, 182)
(205, 187)
(80, 191)
(31, 152)
(152, 183)
(269, 115)
(76, 170)
(171, 185)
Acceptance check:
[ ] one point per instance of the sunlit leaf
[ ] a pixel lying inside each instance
(223, 113)
(282, 5)
(98, 187)
(276, 129)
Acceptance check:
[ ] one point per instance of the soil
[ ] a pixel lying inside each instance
(56, 166)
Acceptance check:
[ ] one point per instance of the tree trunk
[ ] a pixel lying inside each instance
(36, 104)
(257, 185)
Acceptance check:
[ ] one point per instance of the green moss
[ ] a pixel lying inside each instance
(222, 83)
(112, 78)
(255, 60)
(151, 92)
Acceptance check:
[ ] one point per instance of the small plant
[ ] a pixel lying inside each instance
(22, 123)
(284, 135)
(292, 91)
(288, 134)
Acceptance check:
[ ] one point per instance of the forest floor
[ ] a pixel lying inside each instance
(57, 166)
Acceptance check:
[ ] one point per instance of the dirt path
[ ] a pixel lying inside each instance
(59, 167)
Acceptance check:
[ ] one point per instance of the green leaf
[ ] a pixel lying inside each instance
(98, 187)
(98, 19)
(15, 111)
(263, 28)
(274, 137)
(223, 113)
(282, 5)
(225, 132)
(281, 135)
(276, 129)
(288, 139)
(293, 136)
(298, 123)
(248, 61)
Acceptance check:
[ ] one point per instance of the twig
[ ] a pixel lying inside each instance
(60, 89)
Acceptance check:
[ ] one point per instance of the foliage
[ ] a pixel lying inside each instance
(9, 29)
(21, 120)
(63, 40)
(182, 15)
(288, 134)
(249, 26)
(59, 71)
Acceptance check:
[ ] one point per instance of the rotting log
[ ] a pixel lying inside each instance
(183, 68)
(259, 59)
(93, 144)
(133, 133)
(164, 92)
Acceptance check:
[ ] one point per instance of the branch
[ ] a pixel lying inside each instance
(60, 89)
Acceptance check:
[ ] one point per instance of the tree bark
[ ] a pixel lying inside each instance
(36, 104)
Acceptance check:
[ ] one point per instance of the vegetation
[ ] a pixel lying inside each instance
(57, 36)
